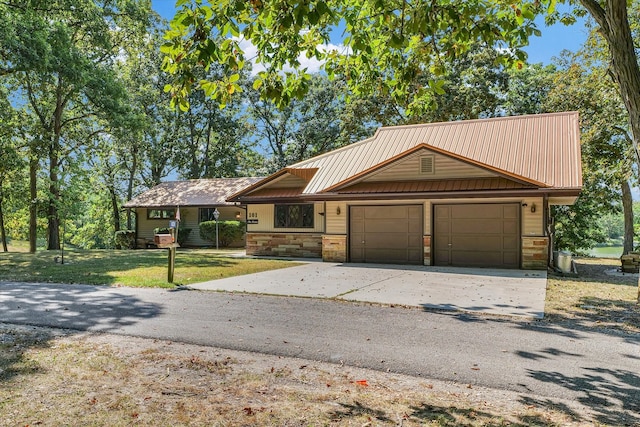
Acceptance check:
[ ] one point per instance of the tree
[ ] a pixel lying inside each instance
(387, 43)
(301, 129)
(70, 80)
(212, 140)
(474, 86)
(11, 161)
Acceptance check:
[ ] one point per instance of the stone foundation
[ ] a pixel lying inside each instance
(301, 245)
(427, 249)
(334, 248)
(534, 253)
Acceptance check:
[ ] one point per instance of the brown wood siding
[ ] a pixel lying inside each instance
(477, 235)
(386, 234)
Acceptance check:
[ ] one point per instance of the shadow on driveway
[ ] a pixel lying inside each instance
(494, 291)
(78, 307)
(71, 307)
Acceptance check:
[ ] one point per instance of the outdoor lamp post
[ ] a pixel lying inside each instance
(216, 215)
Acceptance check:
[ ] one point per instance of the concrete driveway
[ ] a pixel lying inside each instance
(494, 291)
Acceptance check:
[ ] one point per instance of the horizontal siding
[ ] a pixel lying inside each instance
(544, 148)
(445, 168)
(336, 224)
(189, 219)
(288, 181)
(265, 216)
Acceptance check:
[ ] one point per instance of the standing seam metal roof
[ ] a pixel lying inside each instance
(542, 147)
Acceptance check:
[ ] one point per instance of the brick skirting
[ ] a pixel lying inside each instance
(302, 245)
(334, 248)
(535, 251)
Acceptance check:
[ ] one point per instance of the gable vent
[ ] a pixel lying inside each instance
(427, 165)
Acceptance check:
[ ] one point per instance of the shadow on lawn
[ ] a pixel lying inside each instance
(70, 307)
(97, 267)
(603, 390)
(454, 416)
(445, 416)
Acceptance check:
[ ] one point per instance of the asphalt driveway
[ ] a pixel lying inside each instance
(504, 292)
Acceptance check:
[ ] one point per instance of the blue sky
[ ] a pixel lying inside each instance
(554, 39)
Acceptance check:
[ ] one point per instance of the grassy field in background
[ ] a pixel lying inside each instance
(606, 252)
(136, 268)
(597, 299)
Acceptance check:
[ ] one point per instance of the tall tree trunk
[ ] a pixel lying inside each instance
(613, 20)
(53, 219)
(33, 203)
(3, 232)
(114, 206)
(132, 177)
(627, 207)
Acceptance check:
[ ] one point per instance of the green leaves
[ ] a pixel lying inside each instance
(386, 43)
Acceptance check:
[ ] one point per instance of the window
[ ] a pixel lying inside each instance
(206, 214)
(161, 214)
(294, 216)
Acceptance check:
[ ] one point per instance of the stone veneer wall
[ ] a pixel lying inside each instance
(303, 245)
(427, 250)
(535, 251)
(334, 248)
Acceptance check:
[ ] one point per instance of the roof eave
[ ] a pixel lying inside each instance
(319, 197)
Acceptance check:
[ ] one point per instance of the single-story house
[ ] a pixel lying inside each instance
(465, 193)
(197, 200)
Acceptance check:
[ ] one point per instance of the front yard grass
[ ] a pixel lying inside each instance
(56, 377)
(594, 299)
(109, 380)
(137, 268)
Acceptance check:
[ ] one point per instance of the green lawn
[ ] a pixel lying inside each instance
(606, 252)
(138, 268)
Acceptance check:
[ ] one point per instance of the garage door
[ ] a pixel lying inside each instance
(477, 235)
(386, 234)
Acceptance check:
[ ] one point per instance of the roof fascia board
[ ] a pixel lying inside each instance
(275, 177)
(535, 192)
(423, 146)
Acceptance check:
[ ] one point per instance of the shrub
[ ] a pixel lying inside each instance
(228, 231)
(125, 239)
(183, 233)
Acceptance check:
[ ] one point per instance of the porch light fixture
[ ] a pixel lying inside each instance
(338, 210)
(237, 215)
(533, 207)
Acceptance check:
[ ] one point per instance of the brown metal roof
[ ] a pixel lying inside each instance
(448, 185)
(194, 192)
(276, 192)
(543, 148)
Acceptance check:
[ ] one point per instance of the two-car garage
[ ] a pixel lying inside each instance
(464, 234)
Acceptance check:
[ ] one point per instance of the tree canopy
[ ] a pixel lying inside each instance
(387, 44)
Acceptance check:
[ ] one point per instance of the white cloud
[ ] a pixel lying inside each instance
(312, 65)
